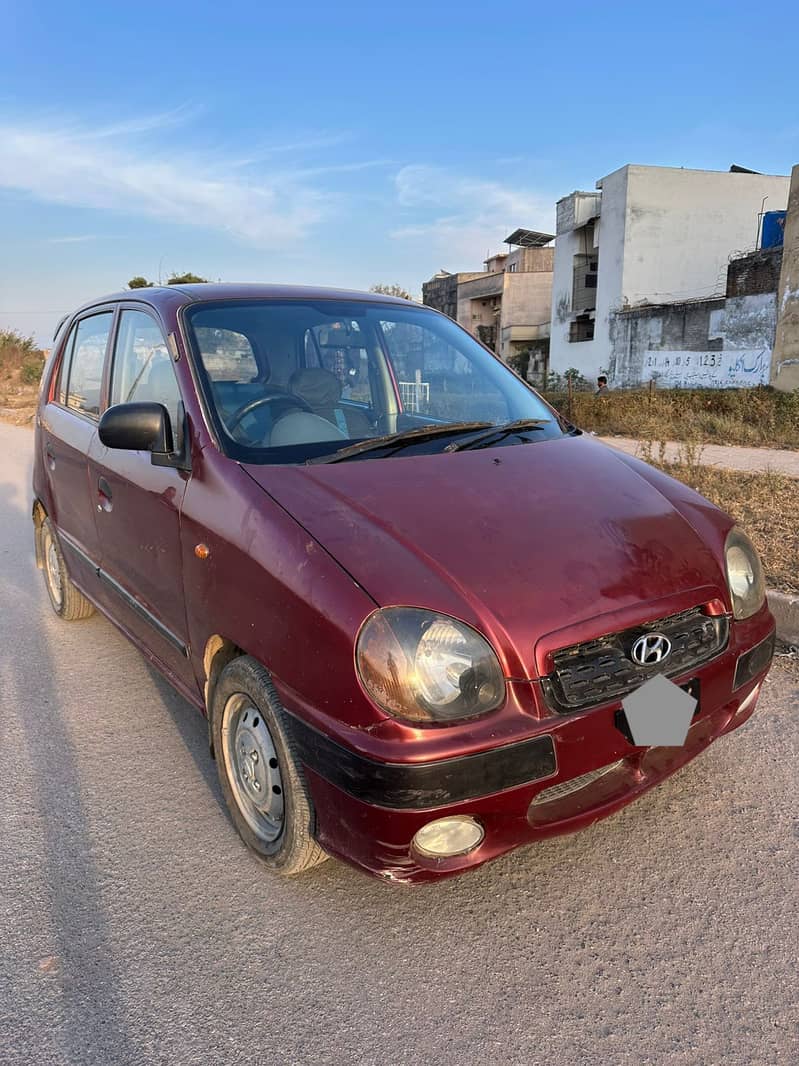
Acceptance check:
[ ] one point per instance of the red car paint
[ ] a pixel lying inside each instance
(537, 547)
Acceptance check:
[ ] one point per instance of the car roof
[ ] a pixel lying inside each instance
(165, 295)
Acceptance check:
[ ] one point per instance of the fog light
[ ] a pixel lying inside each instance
(449, 836)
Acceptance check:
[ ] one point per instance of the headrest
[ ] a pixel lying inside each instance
(318, 387)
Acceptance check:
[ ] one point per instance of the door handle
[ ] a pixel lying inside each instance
(49, 455)
(106, 496)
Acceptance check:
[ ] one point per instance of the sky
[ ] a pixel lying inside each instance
(352, 143)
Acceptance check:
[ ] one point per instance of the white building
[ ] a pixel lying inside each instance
(650, 235)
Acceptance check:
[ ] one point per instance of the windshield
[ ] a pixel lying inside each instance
(292, 381)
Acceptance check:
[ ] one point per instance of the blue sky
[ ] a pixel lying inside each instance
(350, 143)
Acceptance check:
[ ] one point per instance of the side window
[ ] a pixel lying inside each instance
(86, 367)
(340, 348)
(142, 371)
(227, 355)
(437, 380)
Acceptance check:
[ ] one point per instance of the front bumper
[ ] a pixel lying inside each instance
(368, 811)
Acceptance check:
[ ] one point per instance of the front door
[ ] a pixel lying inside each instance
(68, 428)
(138, 511)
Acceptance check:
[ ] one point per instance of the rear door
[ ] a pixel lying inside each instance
(68, 427)
(138, 511)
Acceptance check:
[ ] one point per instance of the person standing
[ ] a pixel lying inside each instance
(602, 386)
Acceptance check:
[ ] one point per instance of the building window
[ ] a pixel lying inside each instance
(584, 282)
(582, 329)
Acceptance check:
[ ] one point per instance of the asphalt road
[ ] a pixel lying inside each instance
(136, 928)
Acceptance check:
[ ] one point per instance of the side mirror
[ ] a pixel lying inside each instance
(141, 427)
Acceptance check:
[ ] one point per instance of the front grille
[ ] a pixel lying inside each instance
(586, 675)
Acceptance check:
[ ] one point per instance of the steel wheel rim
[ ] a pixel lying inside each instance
(253, 768)
(53, 569)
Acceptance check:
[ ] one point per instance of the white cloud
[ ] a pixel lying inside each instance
(74, 240)
(116, 169)
(464, 217)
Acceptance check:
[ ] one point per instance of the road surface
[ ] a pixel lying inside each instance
(724, 456)
(136, 928)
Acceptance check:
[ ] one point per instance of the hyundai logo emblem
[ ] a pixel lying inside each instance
(650, 649)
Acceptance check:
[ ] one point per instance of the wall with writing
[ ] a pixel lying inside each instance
(718, 343)
(720, 369)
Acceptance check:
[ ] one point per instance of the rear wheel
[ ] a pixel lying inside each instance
(67, 600)
(260, 771)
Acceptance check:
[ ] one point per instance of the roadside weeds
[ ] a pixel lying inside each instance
(766, 505)
(757, 417)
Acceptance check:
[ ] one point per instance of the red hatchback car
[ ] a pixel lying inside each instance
(403, 590)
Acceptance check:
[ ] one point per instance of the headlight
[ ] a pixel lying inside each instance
(426, 667)
(744, 575)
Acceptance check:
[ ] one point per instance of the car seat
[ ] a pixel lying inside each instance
(321, 391)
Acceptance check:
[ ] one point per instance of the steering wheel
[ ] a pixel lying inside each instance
(260, 401)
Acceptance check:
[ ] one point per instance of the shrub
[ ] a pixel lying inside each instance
(14, 347)
(519, 362)
(31, 371)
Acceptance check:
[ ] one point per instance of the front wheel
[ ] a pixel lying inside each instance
(260, 771)
(66, 599)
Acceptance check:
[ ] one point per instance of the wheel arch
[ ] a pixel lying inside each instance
(218, 652)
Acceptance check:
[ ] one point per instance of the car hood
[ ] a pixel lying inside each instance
(518, 541)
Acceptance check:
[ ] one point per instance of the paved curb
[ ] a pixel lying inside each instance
(785, 609)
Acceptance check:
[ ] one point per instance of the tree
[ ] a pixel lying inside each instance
(520, 361)
(174, 279)
(185, 279)
(392, 290)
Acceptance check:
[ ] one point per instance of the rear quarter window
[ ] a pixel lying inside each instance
(81, 374)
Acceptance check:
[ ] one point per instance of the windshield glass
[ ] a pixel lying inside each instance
(293, 380)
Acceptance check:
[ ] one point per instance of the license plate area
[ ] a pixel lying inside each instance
(692, 687)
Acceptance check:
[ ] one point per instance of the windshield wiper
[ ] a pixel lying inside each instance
(397, 441)
(496, 433)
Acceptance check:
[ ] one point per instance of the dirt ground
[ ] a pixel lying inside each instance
(18, 404)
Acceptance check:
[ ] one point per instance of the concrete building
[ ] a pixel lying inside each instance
(785, 359)
(725, 342)
(441, 291)
(651, 236)
(507, 305)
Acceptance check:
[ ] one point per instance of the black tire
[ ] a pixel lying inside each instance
(67, 601)
(245, 688)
